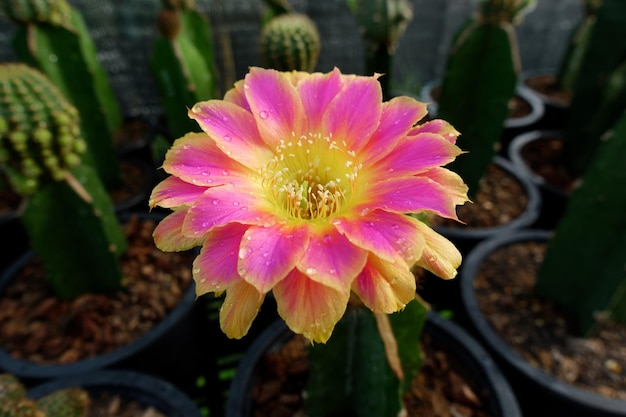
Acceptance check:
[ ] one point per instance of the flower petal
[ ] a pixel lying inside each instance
(355, 112)
(388, 235)
(168, 234)
(385, 287)
(331, 259)
(451, 182)
(398, 116)
(174, 192)
(240, 307)
(275, 104)
(308, 307)
(267, 254)
(215, 268)
(418, 154)
(408, 195)
(219, 206)
(196, 159)
(438, 126)
(440, 256)
(316, 92)
(234, 131)
(236, 96)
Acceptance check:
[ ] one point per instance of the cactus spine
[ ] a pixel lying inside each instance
(68, 216)
(52, 36)
(67, 402)
(480, 78)
(182, 61)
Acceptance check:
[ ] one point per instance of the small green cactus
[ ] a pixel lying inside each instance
(68, 216)
(67, 402)
(290, 41)
(476, 101)
(53, 37)
(182, 62)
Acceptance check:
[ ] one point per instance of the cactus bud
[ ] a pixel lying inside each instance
(168, 24)
(290, 42)
(39, 131)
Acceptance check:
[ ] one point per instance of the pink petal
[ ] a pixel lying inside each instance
(240, 307)
(440, 256)
(236, 96)
(408, 195)
(353, 115)
(385, 287)
(215, 268)
(168, 234)
(388, 235)
(417, 154)
(219, 206)
(451, 182)
(317, 91)
(196, 159)
(308, 307)
(267, 254)
(398, 116)
(174, 192)
(438, 126)
(275, 105)
(331, 259)
(234, 131)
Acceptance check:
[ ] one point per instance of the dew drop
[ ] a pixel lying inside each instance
(264, 114)
(196, 271)
(395, 227)
(225, 173)
(205, 173)
(236, 203)
(228, 138)
(327, 239)
(225, 118)
(311, 271)
(370, 224)
(215, 202)
(245, 252)
(332, 271)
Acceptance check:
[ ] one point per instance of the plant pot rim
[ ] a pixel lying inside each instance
(146, 389)
(527, 218)
(542, 71)
(463, 346)
(537, 109)
(25, 368)
(547, 382)
(515, 156)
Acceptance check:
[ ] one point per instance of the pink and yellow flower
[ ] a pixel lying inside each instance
(299, 185)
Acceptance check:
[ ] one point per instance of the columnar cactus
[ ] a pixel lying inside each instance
(381, 24)
(67, 402)
(480, 78)
(52, 36)
(68, 216)
(182, 61)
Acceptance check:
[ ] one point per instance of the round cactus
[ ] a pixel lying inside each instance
(11, 388)
(290, 42)
(39, 129)
(67, 402)
(55, 12)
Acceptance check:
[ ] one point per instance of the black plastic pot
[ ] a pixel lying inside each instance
(160, 351)
(553, 200)
(501, 400)
(145, 389)
(539, 393)
(555, 113)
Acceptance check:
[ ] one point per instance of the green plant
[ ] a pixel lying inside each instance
(479, 80)
(67, 402)
(52, 36)
(599, 89)
(182, 61)
(584, 265)
(381, 24)
(68, 216)
(289, 40)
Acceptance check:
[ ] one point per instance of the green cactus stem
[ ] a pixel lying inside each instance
(599, 95)
(381, 25)
(584, 264)
(182, 61)
(479, 80)
(290, 41)
(52, 36)
(68, 216)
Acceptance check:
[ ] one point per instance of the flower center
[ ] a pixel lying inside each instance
(311, 177)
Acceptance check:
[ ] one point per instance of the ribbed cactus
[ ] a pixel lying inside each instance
(68, 216)
(290, 41)
(67, 402)
(479, 80)
(599, 92)
(381, 24)
(52, 36)
(182, 62)
(584, 264)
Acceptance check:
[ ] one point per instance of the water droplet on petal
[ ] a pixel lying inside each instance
(236, 203)
(245, 252)
(205, 173)
(197, 271)
(215, 202)
(225, 118)
(311, 271)
(227, 138)
(364, 211)
(225, 173)
(332, 271)
(264, 114)
(327, 239)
